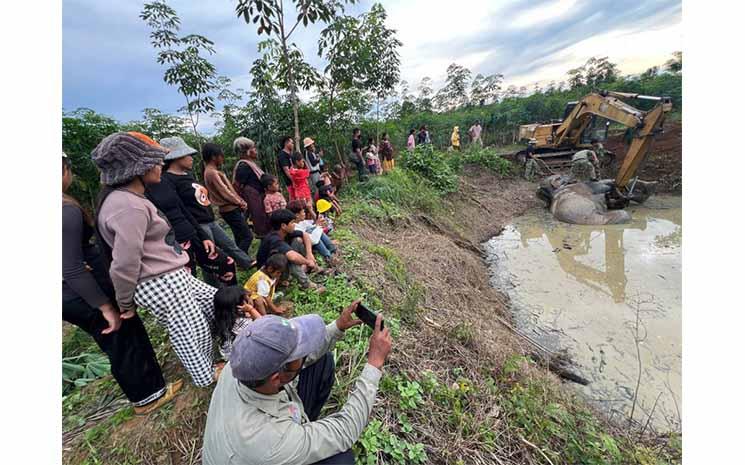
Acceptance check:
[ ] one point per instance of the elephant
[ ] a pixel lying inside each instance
(586, 202)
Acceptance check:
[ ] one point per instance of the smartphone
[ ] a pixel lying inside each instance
(368, 316)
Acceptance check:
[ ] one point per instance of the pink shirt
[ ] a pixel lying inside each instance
(275, 201)
(410, 142)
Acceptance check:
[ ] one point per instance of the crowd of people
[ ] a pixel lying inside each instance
(154, 226)
(422, 137)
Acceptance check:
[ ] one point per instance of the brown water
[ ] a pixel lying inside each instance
(578, 289)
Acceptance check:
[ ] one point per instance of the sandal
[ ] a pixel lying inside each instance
(171, 391)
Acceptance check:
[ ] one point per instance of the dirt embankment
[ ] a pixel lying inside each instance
(664, 162)
(443, 255)
(431, 268)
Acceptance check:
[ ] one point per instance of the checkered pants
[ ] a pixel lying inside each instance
(183, 304)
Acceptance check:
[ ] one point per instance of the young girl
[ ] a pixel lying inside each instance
(273, 198)
(321, 242)
(410, 144)
(260, 286)
(372, 157)
(233, 312)
(299, 174)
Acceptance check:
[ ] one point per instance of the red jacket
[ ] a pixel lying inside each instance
(300, 185)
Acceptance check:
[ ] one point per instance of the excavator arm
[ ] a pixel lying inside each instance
(608, 105)
(651, 124)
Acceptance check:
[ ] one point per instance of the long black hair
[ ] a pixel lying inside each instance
(68, 199)
(226, 302)
(105, 248)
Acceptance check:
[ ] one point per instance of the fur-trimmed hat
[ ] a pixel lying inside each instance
(122, 156)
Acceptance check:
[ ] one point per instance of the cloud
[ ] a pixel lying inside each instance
(109, 64)
(522, 36)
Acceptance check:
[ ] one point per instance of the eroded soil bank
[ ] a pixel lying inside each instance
(477, 400)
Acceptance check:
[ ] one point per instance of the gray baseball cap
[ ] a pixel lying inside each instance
(266, 344)
(177, 148)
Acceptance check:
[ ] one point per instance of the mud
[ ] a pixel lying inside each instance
(578, 288)
(664, 162)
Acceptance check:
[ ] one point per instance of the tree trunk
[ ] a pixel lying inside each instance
(377, 123)
(290, 79)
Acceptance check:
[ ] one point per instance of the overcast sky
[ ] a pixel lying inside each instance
(109, 64)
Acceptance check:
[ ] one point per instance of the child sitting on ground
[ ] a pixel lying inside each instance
(321, 242)
(260, 286)
(323, 206)
(327, 193)
(273, 198)
(232, 313)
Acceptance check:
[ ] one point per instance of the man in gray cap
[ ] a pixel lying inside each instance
(258, 416)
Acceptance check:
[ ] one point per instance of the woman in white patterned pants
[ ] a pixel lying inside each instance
(183, 304)
(147, 264)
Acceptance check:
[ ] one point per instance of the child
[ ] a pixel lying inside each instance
(327, 193)
(338, 177)
(273, 198)
(299, 174)
(321, 242)
(260, 286)
(232, 313)
(372, 157)
(323, 220)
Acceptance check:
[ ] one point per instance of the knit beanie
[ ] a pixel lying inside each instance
(122, 156)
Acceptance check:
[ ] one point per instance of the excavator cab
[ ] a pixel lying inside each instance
(596, 129)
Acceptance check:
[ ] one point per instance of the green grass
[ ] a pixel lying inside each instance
(491, 408)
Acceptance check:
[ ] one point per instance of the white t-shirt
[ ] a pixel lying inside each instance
(310, 227)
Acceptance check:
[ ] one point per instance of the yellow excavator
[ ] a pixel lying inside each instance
(554, 143)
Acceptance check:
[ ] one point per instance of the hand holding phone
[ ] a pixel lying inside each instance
(367, 316)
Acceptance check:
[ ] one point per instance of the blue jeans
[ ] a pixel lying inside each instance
(223, 241)
(325, 247)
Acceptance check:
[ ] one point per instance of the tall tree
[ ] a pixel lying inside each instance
(576, 77)
(477, 92)
(382, 43)
(158, 125)
(675, 64)
(191, 72)
(600, 71)
(271, 18)
(491, 87)
(424, 100)
(348, 60)
(455, 93)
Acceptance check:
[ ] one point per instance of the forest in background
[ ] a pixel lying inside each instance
(359, 86)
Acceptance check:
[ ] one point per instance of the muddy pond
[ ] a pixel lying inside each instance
(609, 297)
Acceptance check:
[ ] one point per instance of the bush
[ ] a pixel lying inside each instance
(433, 166)
(490, 160)
(399, 188)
